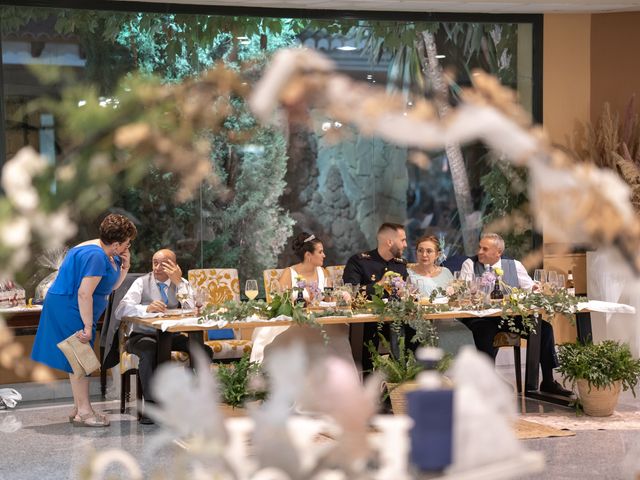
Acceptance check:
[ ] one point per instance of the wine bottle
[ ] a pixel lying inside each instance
(496, 293)
(571, 287)
(300, 300)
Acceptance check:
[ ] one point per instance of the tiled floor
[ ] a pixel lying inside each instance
(48, 447)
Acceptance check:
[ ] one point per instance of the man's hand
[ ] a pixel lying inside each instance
(173, 270)
(157, 306)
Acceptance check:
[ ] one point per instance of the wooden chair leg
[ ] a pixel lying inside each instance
(122, 391)
(516, 358)
(138, 395)
(103, 376)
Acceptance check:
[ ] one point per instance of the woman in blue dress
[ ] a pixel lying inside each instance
(427, 275)
(76, 300)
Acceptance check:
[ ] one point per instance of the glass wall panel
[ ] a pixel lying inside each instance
(326, 179)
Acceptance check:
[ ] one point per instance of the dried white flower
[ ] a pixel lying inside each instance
(15, 233)
(17, 176)
(54, 229)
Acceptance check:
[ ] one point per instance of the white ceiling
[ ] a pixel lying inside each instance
(478, 6)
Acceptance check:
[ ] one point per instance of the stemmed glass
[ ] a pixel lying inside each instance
(552, 278)
(200, 297)
(539, 276)
(251, 289)
(182, 297)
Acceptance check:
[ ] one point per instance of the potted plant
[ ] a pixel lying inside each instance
(599, 371)
(399, 372)
(235, 380)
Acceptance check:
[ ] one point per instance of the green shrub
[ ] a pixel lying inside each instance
(600, 364)
(402, 369)
(234, 380)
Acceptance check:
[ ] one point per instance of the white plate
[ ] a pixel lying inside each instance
(177, 311)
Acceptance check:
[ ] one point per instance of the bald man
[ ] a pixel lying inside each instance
(154, 292)
(367, 268)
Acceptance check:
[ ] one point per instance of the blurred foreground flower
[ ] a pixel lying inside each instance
(576, 204)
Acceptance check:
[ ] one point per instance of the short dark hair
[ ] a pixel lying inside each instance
(117, 228)
(305, 242)
(390, 226)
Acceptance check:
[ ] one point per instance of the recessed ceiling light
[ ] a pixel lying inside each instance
(346, 48)
(441, 56)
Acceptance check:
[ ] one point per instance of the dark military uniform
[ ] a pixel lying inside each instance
(366, 269)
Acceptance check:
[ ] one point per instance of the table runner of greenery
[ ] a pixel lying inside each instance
(529, 305)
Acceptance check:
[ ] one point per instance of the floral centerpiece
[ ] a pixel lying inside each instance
(393, 284)
(403, 310)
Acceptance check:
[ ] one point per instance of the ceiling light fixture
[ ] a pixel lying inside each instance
(347, 48)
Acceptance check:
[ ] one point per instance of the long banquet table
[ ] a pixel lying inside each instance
(166, 325)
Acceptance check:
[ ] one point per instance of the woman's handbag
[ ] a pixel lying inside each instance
(81, 356)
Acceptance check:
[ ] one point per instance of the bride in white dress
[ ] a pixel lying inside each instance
(310, 251)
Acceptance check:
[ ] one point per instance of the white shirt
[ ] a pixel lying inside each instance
(524, 280)
(130, 305)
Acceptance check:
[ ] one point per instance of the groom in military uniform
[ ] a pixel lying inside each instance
(368, 268)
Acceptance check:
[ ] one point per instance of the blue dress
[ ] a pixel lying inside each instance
(60, 315)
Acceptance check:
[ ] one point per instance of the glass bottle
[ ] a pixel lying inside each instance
(571, 287)
(300, 300)
(496, 293)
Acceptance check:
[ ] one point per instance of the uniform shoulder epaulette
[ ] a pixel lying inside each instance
(365, 255)
(400, 260)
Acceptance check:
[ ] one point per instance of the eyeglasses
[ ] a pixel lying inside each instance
(425, 250)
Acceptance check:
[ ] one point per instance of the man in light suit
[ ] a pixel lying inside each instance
(154, 292)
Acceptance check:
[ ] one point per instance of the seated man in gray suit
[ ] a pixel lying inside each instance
(154, 292)
(490, 251)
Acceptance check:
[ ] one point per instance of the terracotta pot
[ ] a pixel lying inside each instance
(397, 393)
(229, 411)
(598, 402)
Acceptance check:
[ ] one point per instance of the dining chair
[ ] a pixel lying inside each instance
(270, 276)
(510, 339)
(221, 284)
(335, 271)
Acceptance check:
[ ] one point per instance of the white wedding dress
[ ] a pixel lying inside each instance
(267, 339)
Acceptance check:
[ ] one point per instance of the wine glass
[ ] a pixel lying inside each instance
(561, 280)
(552, 278)
(338, 282)
(200, 297)
(251, 289)
(183, 296)
(539, 276)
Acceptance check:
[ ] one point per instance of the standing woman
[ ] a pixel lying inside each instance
(76, 300)
(427, 274)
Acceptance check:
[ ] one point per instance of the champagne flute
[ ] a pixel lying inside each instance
(251, 289)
